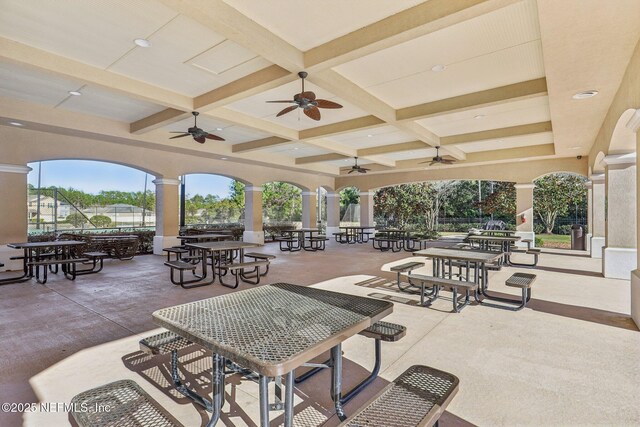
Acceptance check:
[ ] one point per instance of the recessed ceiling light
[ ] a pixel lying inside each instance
(296, 148)
(142, 42)
(74, 93)
(585, 94)
(479, 116)
(16, 124)
(223, 158)
(438, 68)
(218, 128)
(577, 147)
(369, 136)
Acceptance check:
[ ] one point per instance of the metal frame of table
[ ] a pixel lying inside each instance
(505, 242)
(302, 237)
(356, 233)
(208, 251)
(272, 330)
(32, 251)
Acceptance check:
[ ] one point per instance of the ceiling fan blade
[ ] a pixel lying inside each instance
(212, 136)
(312, 113)
(200, 139)
(177, 131)
(351, 171)
(365, 169)
(180, 136)
(433, 162)
(323, 103)
(309, 95)
(362, 170)
(287, 110)
(288, 102)
(448, 161)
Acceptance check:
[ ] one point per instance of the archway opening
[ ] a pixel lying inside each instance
(212, 201)
(76, 195)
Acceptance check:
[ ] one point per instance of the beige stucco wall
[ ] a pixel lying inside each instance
(13, 187)
(621, 206)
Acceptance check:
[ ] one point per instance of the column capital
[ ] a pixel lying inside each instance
(309, 193)
(332, 194)
(597, 178)
(4, 167)
(588, 185)
(522, 186)
(620, 159)
(166, 181)
(250, 188)
(366, 193)
(634, 121)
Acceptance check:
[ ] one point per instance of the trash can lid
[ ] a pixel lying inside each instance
(577, 226)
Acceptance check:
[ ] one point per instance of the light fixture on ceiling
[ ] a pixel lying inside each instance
(142, 42)
(369, 136)
(438, 68)
(585, 94)
(577, 147)
(75, 93)
(218, 129)
(223, 158)
(16, 124)
(296, 148)
(479, 116)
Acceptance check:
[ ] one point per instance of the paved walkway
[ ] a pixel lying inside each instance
(571, 358)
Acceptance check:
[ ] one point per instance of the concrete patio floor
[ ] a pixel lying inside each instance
(570, 358)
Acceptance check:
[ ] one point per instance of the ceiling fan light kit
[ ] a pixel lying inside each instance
(438, 159)
(307, 101)
(198, 134)
(357, 168)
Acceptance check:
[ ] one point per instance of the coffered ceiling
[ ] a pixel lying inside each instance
(487, 80)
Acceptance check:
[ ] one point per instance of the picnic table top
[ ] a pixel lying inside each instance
(114, 237)
(301, 230)
(205, 236)
(357, 227)
(49, 243)
(273, 329)
(460, 254)
(495, 238)
(489, 232)
(225, 245)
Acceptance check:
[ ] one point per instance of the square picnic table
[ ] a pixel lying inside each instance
(208, 250)
(303, 234)
(207, 237)
(505, 243)
(356, 233)
(272, 330)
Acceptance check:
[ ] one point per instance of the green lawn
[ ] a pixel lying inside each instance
(555, 238)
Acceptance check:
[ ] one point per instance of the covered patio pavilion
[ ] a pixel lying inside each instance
(508, 90)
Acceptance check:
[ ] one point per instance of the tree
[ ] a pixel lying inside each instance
(76, 219)
(554, 194)
(281, 201)
(101, 221)
(502, 202)
(437, 193)
(348, 196)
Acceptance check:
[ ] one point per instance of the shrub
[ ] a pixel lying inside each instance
(539, 228)
(564, 229)
(100, 221)
(76, 219)
(539, 242)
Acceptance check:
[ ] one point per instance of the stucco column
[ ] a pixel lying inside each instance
(166, 214)
(333, 213)
(253, 232)
(309, 209)
(13, 211)
(634, 125)
(589, 187)
(620, 252)
(366, 208)
(597, 226)
(524, 213)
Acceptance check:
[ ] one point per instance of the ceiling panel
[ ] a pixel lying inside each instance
(504, 143)
(347, 162)
(298, 149)
(34, 86)
(374, 137)
(258, 107)
(96, 32)
(532, 110)
(306, 24)
(103, 103)
(499, 47)
(188, 58)
(413, 154)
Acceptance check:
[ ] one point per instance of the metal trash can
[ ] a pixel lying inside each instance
(577, 237)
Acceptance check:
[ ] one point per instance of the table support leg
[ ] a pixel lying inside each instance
(264, 401)
(288, 400)
(218, 389)
(336, 380)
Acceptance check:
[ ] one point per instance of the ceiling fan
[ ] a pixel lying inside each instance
(439, 159)
(198, 134)
(307, 101)
(356, 168)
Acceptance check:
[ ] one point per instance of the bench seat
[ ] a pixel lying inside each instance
(521, 280)
(163, 343)
(180, 265)
(258, 255)
(238, 272)
(120, 403)
(418, 397)
(438, 283)
(385, 331)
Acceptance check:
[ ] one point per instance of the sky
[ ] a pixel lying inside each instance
(92, 177)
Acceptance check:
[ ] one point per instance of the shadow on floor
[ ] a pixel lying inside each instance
(570, 271)
(588, 314)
